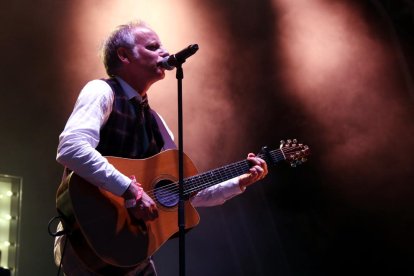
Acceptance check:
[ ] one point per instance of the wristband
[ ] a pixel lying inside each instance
(132, 202)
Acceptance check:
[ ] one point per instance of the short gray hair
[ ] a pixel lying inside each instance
(122, 36)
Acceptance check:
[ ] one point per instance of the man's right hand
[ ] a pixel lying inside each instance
(146, 209)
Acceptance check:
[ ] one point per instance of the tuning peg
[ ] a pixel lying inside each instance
(282, 142)
(289, 141)
(295, 141)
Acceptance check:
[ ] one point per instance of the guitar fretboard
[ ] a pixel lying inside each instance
(207, 179)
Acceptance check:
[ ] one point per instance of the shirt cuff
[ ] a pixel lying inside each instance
(233, 188)
(123, 183)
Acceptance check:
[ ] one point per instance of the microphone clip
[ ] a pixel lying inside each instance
(179, 58)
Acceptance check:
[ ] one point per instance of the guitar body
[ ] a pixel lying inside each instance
(104, 236)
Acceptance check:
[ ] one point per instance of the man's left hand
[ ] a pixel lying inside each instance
(257, 171)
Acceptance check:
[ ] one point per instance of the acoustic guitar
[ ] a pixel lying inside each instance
(111, 242)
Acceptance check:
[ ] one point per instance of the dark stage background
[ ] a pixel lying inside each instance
(256, 80)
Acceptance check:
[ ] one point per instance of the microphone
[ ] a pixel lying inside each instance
(179, 58)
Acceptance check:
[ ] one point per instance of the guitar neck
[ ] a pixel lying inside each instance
(207, 179)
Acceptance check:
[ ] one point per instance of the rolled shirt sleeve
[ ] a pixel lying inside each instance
(217, 194)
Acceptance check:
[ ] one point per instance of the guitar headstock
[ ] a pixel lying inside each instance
(295, 153)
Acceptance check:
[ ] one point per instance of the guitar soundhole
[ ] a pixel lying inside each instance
(166, 193)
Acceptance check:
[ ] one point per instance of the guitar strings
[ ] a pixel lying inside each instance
(230, 172)
(170, 191)
(196, 183)
(172, 188)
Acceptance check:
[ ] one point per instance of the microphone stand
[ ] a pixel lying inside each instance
(181, 202)
(177, 61)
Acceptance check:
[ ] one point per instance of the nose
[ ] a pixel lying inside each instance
(163, 52)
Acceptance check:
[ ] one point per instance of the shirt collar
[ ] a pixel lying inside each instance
(129, 91)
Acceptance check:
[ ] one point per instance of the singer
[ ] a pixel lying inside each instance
(112, 117)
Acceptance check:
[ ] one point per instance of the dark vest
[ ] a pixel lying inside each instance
(131, 130)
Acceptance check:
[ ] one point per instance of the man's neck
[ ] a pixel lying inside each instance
(129, 90)
(141, 87)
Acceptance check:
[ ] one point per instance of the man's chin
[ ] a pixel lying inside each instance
(162, 74)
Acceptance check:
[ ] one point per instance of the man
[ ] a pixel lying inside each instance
(112, 118)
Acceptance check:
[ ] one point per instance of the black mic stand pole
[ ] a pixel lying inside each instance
(181, 202)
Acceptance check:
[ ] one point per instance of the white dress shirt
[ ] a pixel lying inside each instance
(80, 137)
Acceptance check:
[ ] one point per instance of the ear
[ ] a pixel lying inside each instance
(123, 54)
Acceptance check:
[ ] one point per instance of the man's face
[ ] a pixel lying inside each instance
(147, 53)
